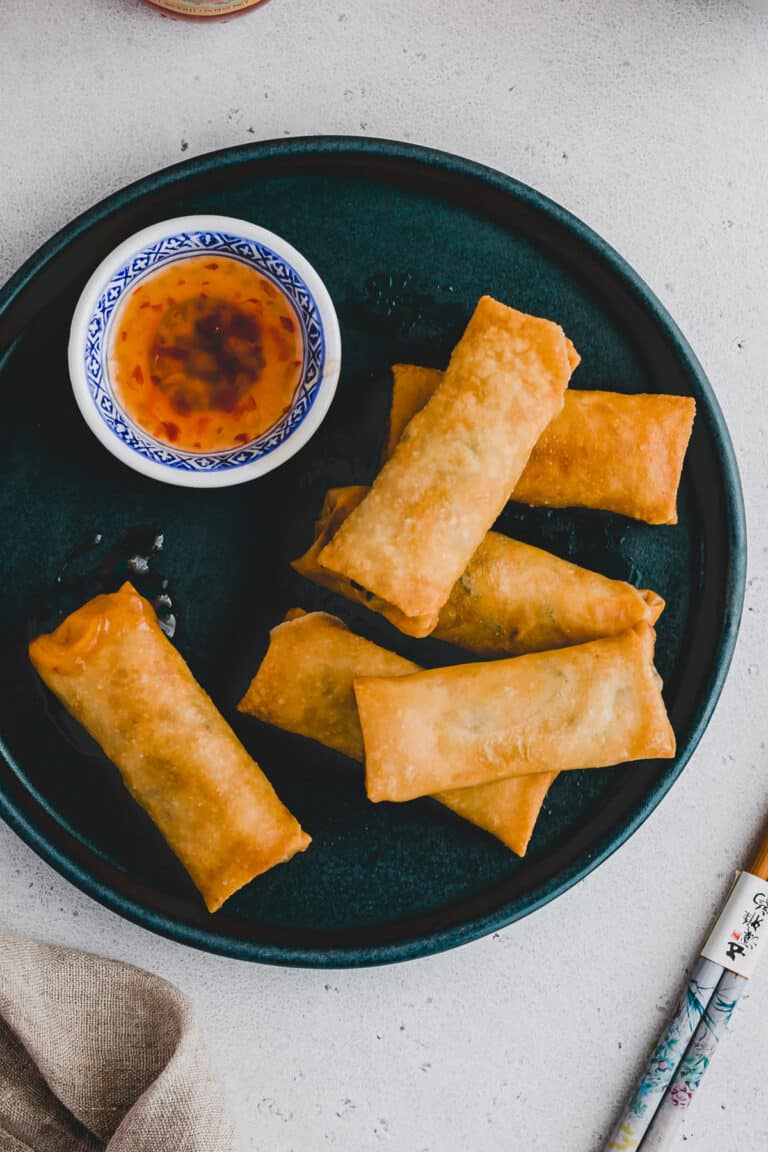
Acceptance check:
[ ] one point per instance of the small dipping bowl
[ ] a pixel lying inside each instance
(94, 331)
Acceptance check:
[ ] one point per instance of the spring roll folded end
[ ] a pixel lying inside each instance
(507, 809)
(62, 650)
(294, 614)
(249, 702)
(574, 359)
(337, 506)
(218, 887)
(655, 603)
(658, 739)
(255, 702)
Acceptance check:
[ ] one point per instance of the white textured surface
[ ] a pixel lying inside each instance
(649, 121)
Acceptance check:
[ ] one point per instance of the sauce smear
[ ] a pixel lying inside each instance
(206, 354)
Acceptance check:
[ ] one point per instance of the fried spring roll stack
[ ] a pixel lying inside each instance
(511, 599)
(621, 453)
(114, 671)
(457, 463)
(304, 682)
(337, 506)
(590, 706)
(304, 685)
(414, 386)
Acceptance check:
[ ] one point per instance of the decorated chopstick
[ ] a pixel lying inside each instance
(664, 1129)
(681, 1056)
(665, 1057)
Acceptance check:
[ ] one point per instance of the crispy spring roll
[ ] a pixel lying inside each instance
(590, 706)
(304, 685)
(508, 809)
(512, 598)
(621, 453)
(338, 504)
(114, 670)
(413, 386)
(604, 450)
(456, 465)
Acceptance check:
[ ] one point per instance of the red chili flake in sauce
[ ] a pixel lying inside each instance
(213, 372)
(170, 352)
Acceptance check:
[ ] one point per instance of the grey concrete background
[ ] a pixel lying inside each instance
(647, 119)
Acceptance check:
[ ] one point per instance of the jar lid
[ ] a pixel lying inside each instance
(204, 8)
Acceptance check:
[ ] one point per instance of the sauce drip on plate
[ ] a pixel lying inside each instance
(206, 354)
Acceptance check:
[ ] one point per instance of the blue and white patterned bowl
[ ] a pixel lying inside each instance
(91, 338)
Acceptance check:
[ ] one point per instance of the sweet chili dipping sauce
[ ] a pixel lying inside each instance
(206, 354)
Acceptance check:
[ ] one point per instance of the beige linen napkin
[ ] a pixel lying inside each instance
(95, 1054)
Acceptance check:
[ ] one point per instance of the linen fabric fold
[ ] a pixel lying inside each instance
(98, 1055)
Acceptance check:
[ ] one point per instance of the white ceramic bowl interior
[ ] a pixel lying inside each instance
(155, 247)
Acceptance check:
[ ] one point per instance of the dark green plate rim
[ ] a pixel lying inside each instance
(17, 307)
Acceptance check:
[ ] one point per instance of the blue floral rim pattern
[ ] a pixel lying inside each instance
(178, 247)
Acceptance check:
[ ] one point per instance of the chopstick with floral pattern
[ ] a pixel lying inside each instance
(669, 1081)
(665, 1057)
(665, 1128)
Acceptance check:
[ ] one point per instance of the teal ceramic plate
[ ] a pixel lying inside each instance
(406, 240)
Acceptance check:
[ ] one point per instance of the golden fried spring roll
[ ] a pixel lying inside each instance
(412, 387)
(304, 685)
(604, 450)
(590, 706)
(621, 453)
(508, 809)
(338, 504)
(114, 670)
(512, 598)
(457, 463)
